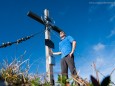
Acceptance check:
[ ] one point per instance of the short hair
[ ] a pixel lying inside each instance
(62, 32)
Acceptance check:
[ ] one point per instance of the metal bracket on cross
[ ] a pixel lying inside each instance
(49, 43)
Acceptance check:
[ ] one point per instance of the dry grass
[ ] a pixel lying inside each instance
(15, 75)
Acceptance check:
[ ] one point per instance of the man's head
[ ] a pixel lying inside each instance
(62, 34)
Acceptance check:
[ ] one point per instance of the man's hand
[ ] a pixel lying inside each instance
(73, 48)
(70, 55)
(51, 52)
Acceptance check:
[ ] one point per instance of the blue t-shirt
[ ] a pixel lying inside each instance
(65, 46)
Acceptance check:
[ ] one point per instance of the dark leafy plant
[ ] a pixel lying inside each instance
(105, 81)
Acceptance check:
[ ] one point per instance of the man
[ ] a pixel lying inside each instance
(67, 47)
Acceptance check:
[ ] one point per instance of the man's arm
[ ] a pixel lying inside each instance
(56, 53)
(73, 48)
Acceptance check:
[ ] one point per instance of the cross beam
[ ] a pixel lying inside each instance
(43, 21)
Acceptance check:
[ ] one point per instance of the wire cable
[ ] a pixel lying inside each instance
(20, 40)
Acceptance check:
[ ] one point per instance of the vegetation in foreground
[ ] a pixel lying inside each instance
(13, 74)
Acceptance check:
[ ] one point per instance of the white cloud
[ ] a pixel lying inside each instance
(100, 61)
(112, 18)
(99, 47)
(93, 7)
(112, 5)
(112, 33)
(64, 11)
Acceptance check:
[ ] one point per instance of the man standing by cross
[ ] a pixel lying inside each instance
(67, 47)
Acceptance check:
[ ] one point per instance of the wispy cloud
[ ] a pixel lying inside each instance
(64, 11)
(112, 33)
(93, 8)
(112, 5)
(99, 47)
(112, 18)
(100, 61)
(103, 2)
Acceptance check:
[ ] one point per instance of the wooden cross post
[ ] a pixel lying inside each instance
(49, 66)
(48, 43)
(47, 22)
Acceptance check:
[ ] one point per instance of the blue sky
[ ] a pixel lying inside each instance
(92, 24)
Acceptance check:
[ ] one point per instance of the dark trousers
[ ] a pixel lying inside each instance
(68, 62)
